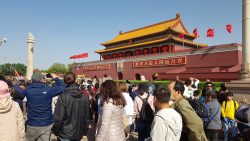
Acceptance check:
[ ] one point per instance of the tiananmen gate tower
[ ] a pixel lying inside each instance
(166, 50)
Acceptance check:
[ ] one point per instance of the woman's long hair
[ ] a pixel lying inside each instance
(109, 89)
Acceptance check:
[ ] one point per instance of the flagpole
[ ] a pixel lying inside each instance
(231, 34)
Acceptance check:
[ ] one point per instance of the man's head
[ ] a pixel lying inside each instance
(123, 87)
(161, 96)
(69, 78)
(143, 88)
(37, 77)
(188, 82)
(177, 89)
(196, 93)
(209, 85)
(2, 78)
(223, 87)
(210, 95)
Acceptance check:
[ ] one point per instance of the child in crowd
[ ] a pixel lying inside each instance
(228, 109)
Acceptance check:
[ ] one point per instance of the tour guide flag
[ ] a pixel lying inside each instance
(16, 73)
(84, 55)
(229, 28)
(195, 31)
(210, 32)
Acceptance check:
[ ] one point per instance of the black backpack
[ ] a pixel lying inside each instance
(146, 113)
(200, 108)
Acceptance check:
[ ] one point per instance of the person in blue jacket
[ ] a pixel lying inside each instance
(39, 112)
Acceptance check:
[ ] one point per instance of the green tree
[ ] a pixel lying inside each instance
(70, 66)
(57, 68)
(20, 68)
(9, 69)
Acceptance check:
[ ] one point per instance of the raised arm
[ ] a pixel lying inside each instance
(58, 88)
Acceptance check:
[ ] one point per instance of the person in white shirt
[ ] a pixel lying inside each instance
(128, 109)
(195, 83)
(189, 91)
(167, 124)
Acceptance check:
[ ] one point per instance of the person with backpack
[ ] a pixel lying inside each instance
(200, 107)
(228, 109)
(167, 124)
(213, 123)
(144, 112)
(192, 124)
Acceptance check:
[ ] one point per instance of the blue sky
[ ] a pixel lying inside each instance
(67, 27)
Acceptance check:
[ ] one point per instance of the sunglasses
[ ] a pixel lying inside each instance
(209, 85)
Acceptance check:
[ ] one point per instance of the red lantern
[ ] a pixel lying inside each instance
(155, 49)
(137, 52)
(114, 55)
(108, 56)
(120, 54)
(165, 48)
(145, 51)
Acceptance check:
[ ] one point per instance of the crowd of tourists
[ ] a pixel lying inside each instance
(68, 106)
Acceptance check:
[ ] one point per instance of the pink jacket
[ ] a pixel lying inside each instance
(11, 121)
(138, 103)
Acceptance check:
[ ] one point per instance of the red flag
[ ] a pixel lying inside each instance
(210, 32)
(17, 74)
(181, 35)
(84, 55)
(195, 31)
(229, 28)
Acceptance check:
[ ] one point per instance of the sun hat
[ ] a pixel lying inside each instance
(4, 90)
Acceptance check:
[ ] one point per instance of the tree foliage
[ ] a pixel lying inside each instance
(9, 69)
(58, 68)
(70, 66)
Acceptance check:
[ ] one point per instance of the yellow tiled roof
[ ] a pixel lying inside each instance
(130, 46)
(150, 42)
(148, 30)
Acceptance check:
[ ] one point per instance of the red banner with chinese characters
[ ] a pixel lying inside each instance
(96, 67)
(160, 62)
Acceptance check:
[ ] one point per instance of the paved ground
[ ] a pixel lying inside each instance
(91, 135)
(133, 137)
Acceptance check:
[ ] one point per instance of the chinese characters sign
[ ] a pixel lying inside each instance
(160, 62)
(96, 67)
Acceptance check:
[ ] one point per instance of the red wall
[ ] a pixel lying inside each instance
(218, 66)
